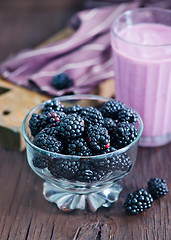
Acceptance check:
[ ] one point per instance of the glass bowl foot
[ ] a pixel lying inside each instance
(69, 200)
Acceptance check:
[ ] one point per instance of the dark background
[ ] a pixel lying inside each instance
(26, 23)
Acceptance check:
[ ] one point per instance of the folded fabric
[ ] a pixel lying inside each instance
(85, 56)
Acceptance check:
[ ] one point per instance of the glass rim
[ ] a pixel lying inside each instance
(129, 12)
(72, 97)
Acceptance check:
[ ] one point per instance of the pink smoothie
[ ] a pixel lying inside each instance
(143, 74)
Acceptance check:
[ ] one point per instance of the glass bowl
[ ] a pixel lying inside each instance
(69, 191)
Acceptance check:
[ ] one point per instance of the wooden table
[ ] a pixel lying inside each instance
(25, 214)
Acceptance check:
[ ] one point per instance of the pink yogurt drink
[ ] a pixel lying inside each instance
(141, 43)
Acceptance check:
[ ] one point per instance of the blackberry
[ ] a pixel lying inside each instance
(88, 172)
(92, 116)
(107, 150)
(157, 187)
(61, 168)
(37, 122)
(52, 106)
(70, 126)
(98, 138)
(120, 162)
(123, 134)
(48, 142)
(138, 201)
(50, 131)
(62, 81)
(79, 147)
(54, 117)
(111, 108)
(40, 162)
(74, 109)
(127, 115)
(109, 123)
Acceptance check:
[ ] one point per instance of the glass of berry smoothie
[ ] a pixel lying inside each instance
(141, 43)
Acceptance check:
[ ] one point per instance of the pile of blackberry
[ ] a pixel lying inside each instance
(83, 131)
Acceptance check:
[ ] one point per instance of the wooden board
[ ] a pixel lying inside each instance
(15, 103)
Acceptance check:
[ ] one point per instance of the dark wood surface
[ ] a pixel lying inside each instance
(25, 214)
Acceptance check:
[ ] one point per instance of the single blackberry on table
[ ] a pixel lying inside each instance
(92, 116)
(71, 126)
(61, 168)
(73, 109)
(88, 172)
(52, 106)
(54, 117)
(127, 115)
(62, 81)
(37, 122)
(111, 108)
(98, 138)
(109, 123)
(40, 162)
(123, 134)
(138, 201)
(79, 147)
(157, 187)
(46, 140)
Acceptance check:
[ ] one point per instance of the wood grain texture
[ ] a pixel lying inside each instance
(15, 103)
(25, 214)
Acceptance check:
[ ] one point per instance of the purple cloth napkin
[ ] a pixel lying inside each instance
(85, 56)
